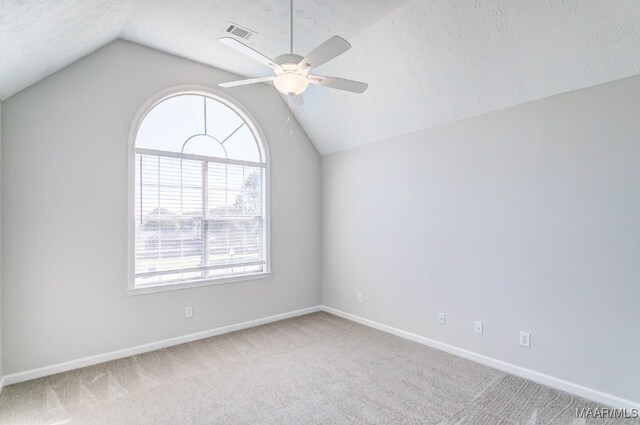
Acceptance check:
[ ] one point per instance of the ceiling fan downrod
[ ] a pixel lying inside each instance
(291, 28)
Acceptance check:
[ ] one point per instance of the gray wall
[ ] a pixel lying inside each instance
(526, 219)
(1, 309)
(65, 213)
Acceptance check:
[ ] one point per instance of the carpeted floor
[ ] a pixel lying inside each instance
(314, 369)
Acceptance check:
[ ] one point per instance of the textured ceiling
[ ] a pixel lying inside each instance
(433, 62)
(39, 37)
(427, 62)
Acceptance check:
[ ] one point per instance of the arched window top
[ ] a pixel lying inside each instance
(199, 124)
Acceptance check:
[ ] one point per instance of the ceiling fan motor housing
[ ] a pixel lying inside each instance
(291, 80)
(288, 59)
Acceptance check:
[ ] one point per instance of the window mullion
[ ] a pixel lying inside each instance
(205, 221)
(141, 191)
(159, 209)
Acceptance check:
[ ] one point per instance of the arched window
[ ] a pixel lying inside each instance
(200, 204)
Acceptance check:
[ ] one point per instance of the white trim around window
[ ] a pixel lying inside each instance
(132, 289)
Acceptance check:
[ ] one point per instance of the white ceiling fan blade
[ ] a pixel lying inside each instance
(245, 82)
(250, 52)
(296, 101)
(338, 83)
(333, 47)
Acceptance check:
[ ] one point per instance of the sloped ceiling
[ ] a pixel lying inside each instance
(427, 62)
(38, 38)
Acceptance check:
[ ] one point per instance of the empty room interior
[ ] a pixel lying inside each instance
(320, 212)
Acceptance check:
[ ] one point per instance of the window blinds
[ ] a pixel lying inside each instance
(197, 219)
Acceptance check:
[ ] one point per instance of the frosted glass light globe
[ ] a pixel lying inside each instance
(290, 83)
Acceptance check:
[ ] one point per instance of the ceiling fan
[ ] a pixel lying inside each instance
(292, 71)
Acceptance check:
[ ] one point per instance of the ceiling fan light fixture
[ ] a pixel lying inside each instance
(292, 71)
(290, 83)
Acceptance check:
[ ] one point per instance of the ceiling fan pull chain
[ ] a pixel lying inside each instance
(289, 120)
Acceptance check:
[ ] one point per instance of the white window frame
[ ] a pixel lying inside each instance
(264, 151)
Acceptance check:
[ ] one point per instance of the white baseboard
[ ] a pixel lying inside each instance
(541, 378)
(126, 352)
(532, 375)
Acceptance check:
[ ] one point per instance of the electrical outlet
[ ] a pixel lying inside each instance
(360, 298)
(441, 318)
(478, 327)
(188, 312)
(525, 339)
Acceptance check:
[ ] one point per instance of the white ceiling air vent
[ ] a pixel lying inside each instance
(240, 31)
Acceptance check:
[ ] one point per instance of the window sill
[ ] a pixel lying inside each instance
(149, 289)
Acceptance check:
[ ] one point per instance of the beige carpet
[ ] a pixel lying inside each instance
(314, 369)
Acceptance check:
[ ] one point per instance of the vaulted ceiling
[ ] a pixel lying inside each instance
(427, 62)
